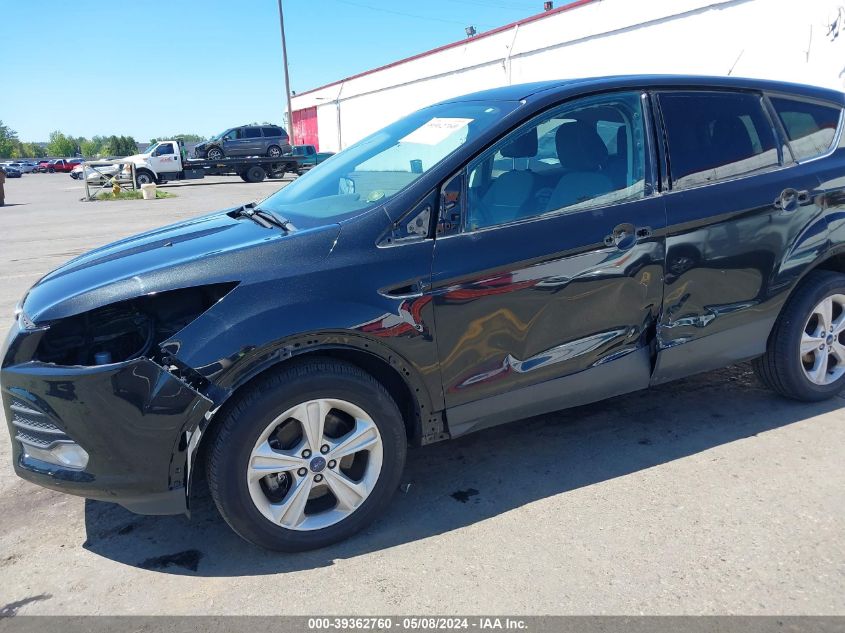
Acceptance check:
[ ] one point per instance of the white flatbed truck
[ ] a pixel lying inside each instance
(167, 160)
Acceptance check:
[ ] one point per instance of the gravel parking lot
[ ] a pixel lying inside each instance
(706, 496)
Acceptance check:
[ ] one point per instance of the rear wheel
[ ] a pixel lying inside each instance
(254, 174)
(274, 151)
(215, 153)
(805, 357)
(307, 456)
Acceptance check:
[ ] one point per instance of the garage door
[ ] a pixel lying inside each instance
(305, 127)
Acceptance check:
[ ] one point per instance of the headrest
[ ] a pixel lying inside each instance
(524, 146)
(579, 147)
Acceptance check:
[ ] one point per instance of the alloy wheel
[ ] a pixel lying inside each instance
(315, 464)
(823, 341)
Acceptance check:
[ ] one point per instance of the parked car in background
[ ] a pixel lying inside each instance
(11, 170)
(43, 166)
(309, 156)
(27, 166)
(65, 165)
(95, 173)
(246, 140)
(417, 287)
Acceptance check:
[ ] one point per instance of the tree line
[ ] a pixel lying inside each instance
(61, 144)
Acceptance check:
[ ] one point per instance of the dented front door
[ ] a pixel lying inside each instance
(527, 303)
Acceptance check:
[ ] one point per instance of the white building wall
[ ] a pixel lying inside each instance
(771, 39)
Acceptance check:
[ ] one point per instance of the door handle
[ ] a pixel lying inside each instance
(790, 199)
(625, 235)
(406, 291)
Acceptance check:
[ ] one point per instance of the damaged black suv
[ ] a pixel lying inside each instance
(485, 259)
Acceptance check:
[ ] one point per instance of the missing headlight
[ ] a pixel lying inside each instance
(126, 330)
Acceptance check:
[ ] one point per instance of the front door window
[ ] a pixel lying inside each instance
(586, 154)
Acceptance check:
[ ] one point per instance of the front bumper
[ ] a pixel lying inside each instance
(135, 420)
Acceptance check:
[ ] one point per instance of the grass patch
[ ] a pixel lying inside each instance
(132, 195)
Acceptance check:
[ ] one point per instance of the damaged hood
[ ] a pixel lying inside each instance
(210, 249)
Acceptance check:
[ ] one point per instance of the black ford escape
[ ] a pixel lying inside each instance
(493, 257)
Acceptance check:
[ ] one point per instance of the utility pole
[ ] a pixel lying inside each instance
(287, 77)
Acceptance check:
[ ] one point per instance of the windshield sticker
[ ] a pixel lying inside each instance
(436, 130)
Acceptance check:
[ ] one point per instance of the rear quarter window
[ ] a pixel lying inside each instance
(810, 127)
(272, 131)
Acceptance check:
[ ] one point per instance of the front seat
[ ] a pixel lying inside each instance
(583, 157)
(509, 193)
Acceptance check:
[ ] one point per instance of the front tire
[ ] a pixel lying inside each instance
(805, 356)
(215, 153)
(307, 456)
(143, 178)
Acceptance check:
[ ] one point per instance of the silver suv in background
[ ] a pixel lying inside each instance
(246, 140)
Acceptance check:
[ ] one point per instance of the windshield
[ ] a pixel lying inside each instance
(378, 167)
(151, 148)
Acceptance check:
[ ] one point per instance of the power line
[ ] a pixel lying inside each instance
(408, 15)
(507, 6)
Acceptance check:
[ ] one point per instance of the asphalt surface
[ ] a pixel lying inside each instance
(705, 496)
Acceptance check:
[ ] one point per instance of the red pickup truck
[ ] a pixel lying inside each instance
(65, 165)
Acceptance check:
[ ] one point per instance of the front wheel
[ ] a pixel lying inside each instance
(215, 153)
(308, 456)
(144, 178)
(805, 356)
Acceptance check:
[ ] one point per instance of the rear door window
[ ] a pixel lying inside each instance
(810, 127)
(252, 132)
(715, 136)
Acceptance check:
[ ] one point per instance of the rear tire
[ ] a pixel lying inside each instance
(261, 431)
(274, 151)
(254, 174)
(805, 355)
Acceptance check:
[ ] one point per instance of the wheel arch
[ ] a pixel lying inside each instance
(397, 375)
(146, 170)
(833, 260)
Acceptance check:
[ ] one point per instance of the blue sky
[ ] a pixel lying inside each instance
(160, 67)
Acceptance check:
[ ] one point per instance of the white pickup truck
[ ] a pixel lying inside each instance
(167, 160)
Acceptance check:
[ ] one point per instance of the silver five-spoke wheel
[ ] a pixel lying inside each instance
(315, 464)
(823, 341)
